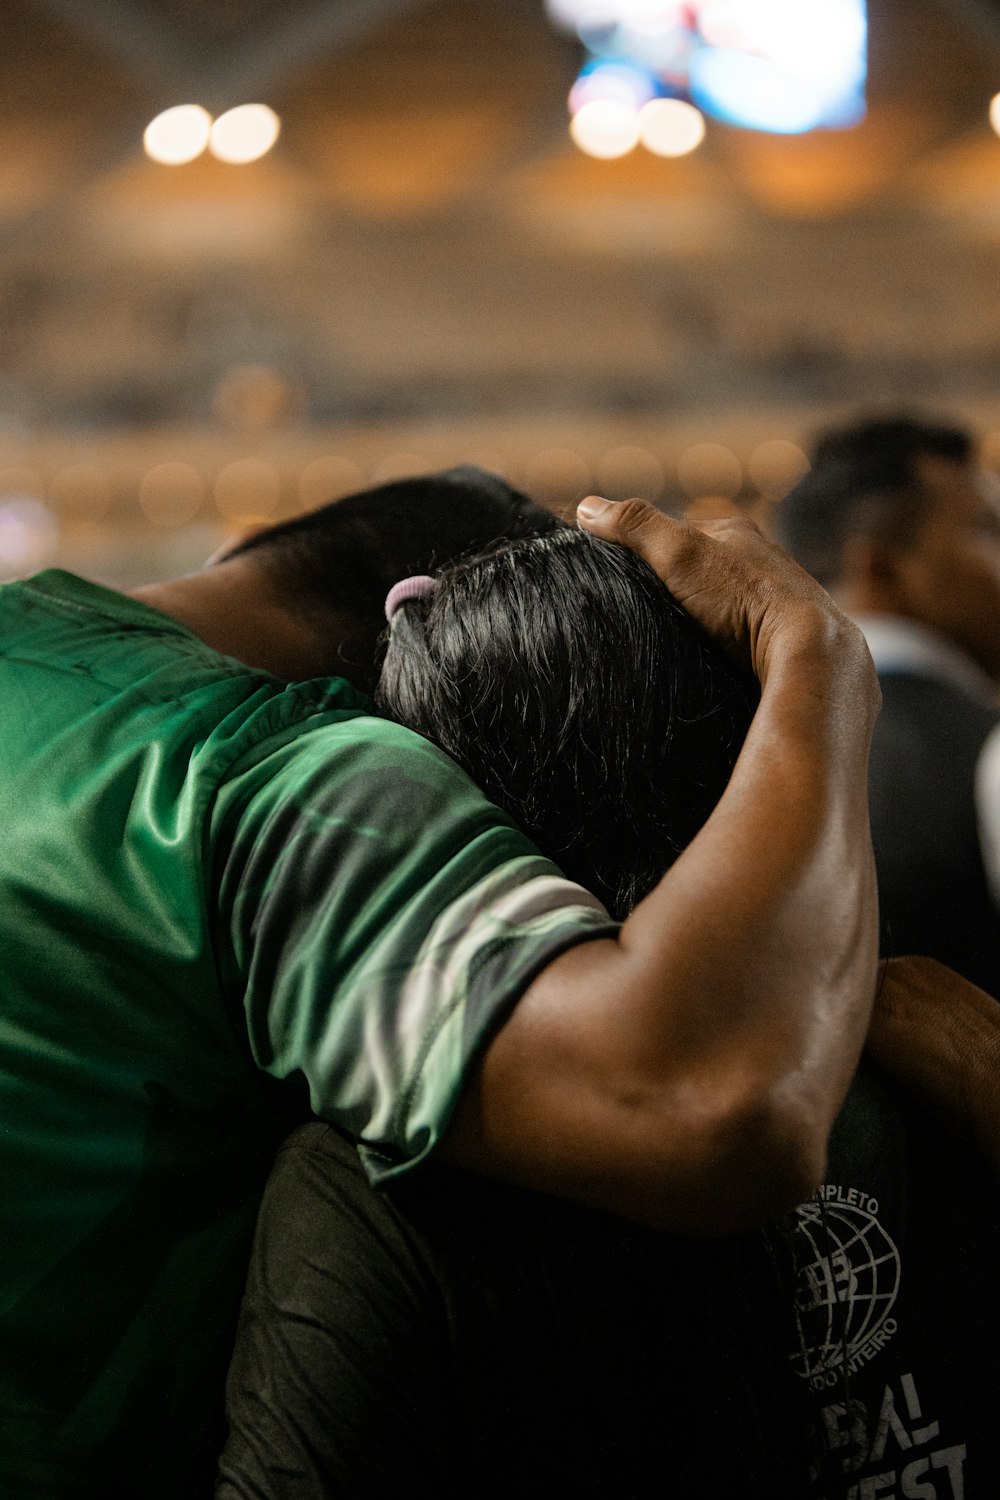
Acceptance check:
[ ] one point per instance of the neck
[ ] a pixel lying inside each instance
(234, 607)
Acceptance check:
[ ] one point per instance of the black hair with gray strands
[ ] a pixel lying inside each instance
(336, 564)
(571, 685)
(562, 675)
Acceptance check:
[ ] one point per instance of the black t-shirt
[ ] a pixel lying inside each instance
(455, 1337)
(897, 1306)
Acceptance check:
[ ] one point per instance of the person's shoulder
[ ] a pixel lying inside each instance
(331, 716)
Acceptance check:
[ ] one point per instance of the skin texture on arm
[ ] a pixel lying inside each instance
(687, 1073)
(940, 1036)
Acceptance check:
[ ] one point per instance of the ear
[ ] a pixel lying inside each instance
(872, 577)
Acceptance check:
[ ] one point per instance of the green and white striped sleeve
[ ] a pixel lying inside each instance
(384, 919)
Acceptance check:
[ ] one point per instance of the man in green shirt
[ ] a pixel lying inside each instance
(231, 895)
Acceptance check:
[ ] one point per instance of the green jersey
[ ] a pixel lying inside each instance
(224, 901)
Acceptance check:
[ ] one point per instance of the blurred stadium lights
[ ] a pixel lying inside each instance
(181, 134)
(177, 135)
(783, 66)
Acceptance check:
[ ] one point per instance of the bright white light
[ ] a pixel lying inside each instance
(777, 65)
(611, 80)
(752, 91)
(656, 20)
(244, 134)
(178, 135)
(995, 113)
(605, 128)
(577, 15)
(817, 39)
(669, 127)
(647, 16)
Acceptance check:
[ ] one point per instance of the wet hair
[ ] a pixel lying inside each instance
(335, 565)
(864, 482)
(562, 675)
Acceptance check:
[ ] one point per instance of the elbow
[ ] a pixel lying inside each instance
(780, 1155)
(755, 1160)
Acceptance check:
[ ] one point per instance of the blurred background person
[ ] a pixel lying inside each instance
(894, 519)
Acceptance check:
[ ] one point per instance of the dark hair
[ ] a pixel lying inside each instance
(884, 447)
(571, 685)
(561, 674)
(863, 482)
(336, 564)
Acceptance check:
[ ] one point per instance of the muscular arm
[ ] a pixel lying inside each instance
(940, 1035)
(687, 1073)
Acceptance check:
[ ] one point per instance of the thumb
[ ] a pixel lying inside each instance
(641, 527)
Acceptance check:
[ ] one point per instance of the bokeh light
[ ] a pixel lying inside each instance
(328, 478)
(81, 491)
(753, 91)
(670, 127)
(613, 81)
(580, 15)
(820, 39)
(995, 113)
(178, 135)
(556, 476)
(605, 128)
(778, 65)
(776, 465)
(248, 487)
(171, 494)
(629, 470)
(709, 469)
(244, 134)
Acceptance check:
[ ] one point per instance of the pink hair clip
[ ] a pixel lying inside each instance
(417, 587)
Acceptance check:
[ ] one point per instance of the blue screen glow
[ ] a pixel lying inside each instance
(786, 66)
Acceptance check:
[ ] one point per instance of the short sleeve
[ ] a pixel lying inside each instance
(380, 919)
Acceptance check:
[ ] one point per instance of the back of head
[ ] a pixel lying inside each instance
(864, 481)
(337, 563)
(561, 674)
(884, 449)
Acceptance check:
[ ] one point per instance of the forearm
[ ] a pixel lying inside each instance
(771, 912)
(688, 1073)
(940, 1036)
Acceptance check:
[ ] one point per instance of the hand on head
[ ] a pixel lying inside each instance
(741, 587)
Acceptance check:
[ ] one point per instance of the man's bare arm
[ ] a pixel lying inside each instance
(687, 1073)
(940, 1035)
